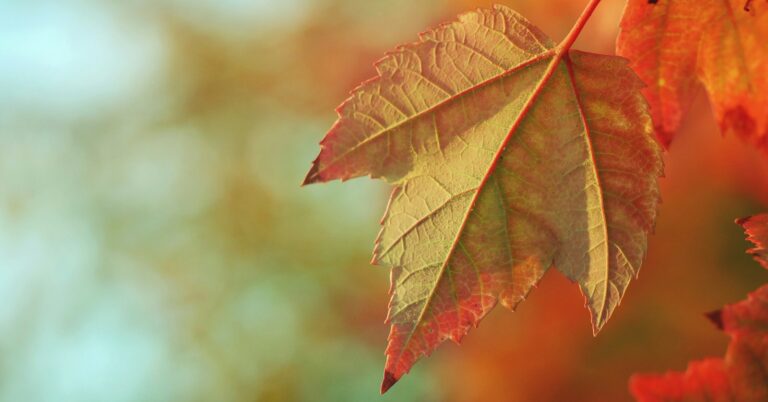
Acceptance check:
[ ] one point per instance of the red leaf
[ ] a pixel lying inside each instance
(676, 44)
(704, 380)
(742, 376)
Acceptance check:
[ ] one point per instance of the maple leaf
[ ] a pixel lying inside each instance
(756, 228)
(675, 44)
(742, 376)
(508, 155)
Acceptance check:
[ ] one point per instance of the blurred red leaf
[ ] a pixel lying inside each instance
(676, 44)
(509, 155)
(741, 375)
(704, 380)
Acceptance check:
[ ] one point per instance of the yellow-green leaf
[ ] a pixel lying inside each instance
(508, 156)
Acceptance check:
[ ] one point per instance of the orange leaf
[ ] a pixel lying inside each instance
(675, 44)
(508, 155)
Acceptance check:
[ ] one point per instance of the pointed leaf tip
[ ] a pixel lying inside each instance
(312, 175)
(596, 329)
(388, 382)
(743, 221)
(716, 318)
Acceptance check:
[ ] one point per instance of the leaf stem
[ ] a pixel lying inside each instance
(566, 44)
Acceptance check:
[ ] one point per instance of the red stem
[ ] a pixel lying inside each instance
(566, 44)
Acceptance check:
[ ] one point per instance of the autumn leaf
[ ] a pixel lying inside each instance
(703, 380)
(756, 228)
(741, 375)
(508, 155)
(676, 44)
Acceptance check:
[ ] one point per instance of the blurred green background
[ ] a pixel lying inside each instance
(155, 244)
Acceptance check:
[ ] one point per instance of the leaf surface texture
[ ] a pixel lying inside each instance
(508, 157)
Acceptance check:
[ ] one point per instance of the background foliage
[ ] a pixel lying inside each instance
(155, 245)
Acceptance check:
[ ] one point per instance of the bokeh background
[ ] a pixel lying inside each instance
(155, 244)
